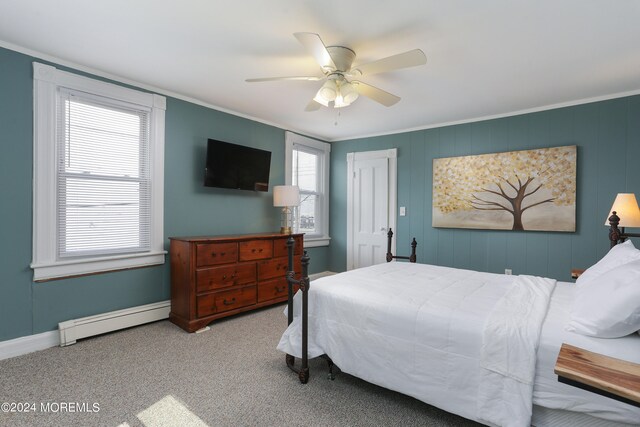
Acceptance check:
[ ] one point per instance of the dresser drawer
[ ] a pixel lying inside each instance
(277, 267)
(218, 302)
(274, 289)
(256, 249)
(216, 253)
(209, 279)
(280, 247)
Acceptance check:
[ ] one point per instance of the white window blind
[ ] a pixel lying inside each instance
(307, 175)
(103, 176)
(307, 166)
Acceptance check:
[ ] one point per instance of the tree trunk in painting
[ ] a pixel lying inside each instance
(514, 205)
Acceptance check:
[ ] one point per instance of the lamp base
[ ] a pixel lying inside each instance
(286, 230)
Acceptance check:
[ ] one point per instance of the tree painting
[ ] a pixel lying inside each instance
(517, 190)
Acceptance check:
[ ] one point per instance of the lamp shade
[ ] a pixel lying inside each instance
(626, 207)
(327, 92)
(286, 195)
(349, 93)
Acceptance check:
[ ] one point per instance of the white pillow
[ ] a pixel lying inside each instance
(609, 305)
(618, 255)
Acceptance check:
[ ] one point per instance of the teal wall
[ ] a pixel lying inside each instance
(190, 209)
(607, 134)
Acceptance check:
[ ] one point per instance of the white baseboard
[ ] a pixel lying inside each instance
(75, 329)
(321, 274)
(28, 344)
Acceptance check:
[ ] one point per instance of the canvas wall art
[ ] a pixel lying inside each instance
(516, 190)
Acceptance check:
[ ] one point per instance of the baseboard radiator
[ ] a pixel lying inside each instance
(76, 329)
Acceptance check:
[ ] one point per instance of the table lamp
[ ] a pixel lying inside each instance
(287, 197)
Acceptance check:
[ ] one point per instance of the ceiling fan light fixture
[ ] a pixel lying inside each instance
(327, 92)
(340, 101)
(320, 100)
(349, 93)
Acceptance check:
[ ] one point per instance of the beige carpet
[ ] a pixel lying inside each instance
(159, 375)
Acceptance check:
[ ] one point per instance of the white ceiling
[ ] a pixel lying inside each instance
(484, 58)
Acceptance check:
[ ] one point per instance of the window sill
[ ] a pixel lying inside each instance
(315, 242)
(81, 267)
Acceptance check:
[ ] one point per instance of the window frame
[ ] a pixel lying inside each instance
(323, 149)
(46, 263)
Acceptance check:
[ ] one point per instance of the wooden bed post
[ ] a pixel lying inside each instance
(389, 237)
(614, 231)
(304, 287)
(616, 235)
(290, 282)
(412, 257)
(303, 283)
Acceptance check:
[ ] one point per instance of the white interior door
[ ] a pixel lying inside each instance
(371, 210)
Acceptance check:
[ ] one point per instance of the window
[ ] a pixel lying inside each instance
(98, 176)
(307, 166)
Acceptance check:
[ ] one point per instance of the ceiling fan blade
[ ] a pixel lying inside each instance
(402, 60)
(385, 98)
(317, 49)
(273, 79)
(313, 106)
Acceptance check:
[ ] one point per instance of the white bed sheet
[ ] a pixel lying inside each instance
(434, 354)
(418, 329)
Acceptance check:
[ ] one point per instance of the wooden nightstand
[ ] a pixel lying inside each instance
(614, 378)
(576, 272)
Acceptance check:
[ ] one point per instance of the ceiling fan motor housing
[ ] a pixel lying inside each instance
(343, 58)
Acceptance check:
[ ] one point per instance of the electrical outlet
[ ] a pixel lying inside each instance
(403, 211)
(508, 271)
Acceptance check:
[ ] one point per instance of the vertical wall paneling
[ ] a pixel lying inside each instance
(430, 234)
(403, 143)
(418, 171)
(446, 239)
(585, 130)
(16, 140)
(607, 135)
(632, 154)
(612, 141)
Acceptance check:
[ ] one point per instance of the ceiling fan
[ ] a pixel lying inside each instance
(340, 89)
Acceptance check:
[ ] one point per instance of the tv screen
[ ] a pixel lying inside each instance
(236, 166)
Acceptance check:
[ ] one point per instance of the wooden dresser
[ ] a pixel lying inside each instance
(219, 276)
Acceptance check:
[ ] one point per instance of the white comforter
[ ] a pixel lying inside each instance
(432, 333)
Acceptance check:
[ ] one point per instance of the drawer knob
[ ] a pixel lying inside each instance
(225, 302)
(260, 250)
(213, 254)
(222, 253)
(278, 290)
(224, 276)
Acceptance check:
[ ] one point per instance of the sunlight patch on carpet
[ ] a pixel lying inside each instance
(169, 412)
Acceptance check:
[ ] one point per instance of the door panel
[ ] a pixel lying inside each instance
(370, 211)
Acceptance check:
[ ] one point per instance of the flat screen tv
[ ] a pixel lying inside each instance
(236, 166)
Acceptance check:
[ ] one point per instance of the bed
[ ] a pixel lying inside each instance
(476, 344)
